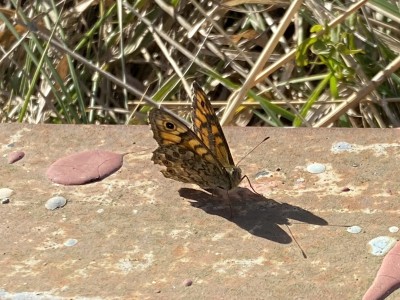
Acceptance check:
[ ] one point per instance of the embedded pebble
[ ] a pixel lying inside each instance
(263, 174)
(393, 229)
(380, 245)
(5, 201)
(70, 242)
(354, 229)
(55, 202)
(15, 156)
(346, 189)
(5, 193)
(187, 282)
(341, 147)
(316, 168)
(84, 167)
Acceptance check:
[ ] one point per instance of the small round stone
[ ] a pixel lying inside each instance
(341, 147)
(15, 156)
(262, 174)
(5, 193)
(316, 168)
(70, 242)
(187, 282)
(55, 202)
(393, 229)
(5, 201)
(354, 229)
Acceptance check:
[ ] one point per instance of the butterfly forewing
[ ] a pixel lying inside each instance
(168, 130)
(206, 126)
(185, 156)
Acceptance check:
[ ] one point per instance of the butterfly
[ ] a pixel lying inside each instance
(199, 155)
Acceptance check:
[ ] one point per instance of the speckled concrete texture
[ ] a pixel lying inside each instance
(142, 236)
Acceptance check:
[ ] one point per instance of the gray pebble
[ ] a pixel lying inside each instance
(55, 202)
(354, 229)
(316, 168)
(70, 242)
(341, 147)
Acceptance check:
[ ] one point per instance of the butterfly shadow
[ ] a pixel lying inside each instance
(258, 215)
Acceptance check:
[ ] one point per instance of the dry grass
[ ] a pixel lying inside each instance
(279, 63)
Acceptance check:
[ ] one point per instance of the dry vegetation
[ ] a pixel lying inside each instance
(271, 63)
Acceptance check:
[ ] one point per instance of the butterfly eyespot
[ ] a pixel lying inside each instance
(170, 125)
(171, 172)
(182, 151)
(167, 163)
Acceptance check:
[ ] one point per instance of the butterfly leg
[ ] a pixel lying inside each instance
(230, 206)
(248, 180)
(224, 194)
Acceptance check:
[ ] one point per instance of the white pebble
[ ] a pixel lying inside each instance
(316, 168)
(5, 193)
(381, 245)
(70, 242)
(354, 229)
(55, 202)
(341, 147)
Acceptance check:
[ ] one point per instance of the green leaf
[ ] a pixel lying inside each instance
(311, 100)
(301, 53)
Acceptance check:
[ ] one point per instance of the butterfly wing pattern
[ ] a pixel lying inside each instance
(200, 156)
(206, 126)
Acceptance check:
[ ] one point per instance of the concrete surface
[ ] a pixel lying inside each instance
(142, 236)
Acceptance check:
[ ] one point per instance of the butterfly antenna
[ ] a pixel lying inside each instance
(252, 150)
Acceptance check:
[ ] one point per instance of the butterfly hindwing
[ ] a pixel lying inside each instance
(186, 166)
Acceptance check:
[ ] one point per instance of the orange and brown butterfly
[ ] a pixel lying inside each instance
(199, 155)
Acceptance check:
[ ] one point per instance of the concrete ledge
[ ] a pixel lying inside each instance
(140, 235)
